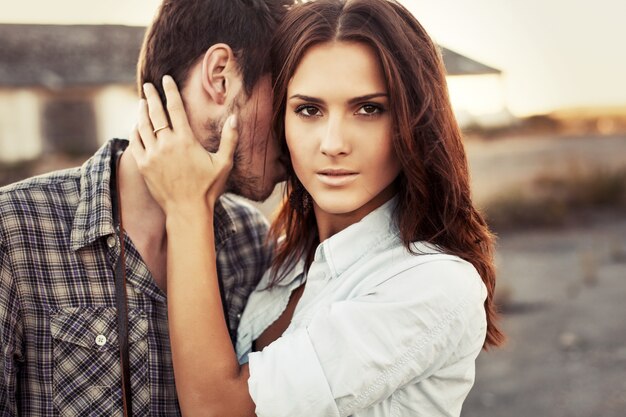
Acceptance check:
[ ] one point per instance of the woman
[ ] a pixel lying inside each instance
(381, 292)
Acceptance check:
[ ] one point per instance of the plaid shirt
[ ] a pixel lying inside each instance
(58, 329)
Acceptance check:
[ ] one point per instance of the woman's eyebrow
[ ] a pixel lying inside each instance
(367, 97)
(351, 101)
(307, 98)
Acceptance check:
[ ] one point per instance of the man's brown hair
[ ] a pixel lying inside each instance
(183, 30)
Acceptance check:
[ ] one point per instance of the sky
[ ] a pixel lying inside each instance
(554, 54)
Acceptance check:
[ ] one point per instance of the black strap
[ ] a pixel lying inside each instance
(120, 287)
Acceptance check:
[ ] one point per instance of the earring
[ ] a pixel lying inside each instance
(300, 199)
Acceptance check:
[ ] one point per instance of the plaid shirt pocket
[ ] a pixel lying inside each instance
(87, 365)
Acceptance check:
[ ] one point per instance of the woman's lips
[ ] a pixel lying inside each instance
(336, 177)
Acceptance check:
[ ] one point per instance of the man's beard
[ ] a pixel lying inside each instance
(241, 180)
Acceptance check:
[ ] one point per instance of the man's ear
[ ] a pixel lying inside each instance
(217, 64)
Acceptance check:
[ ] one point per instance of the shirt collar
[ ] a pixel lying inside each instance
(347, 247)
(94, 218)
(359, 240)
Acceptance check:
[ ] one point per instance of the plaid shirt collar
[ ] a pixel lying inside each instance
(91, 222)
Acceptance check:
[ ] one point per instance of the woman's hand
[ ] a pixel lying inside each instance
(177, 169)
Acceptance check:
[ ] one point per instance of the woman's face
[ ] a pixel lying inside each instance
(338, 129)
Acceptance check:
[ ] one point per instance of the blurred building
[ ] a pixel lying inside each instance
(68, 89)
(65, 88)
(477, 92)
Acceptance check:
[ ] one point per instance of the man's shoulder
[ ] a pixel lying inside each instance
(38, 199)
(41, 183)
(40, 188)
(245, 229)
(242, 213)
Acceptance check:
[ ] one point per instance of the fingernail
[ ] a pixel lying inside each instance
(168, 78)
(233, 121)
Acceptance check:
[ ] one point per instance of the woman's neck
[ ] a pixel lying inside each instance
(329, 224)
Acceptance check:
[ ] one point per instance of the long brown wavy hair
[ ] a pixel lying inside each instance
(434, 201)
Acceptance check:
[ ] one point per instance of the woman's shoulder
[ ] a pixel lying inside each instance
(396, 258)
(427, 267)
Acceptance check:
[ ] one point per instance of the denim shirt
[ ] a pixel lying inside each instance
(378, 331)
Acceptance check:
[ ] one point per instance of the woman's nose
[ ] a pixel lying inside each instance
(334, 141)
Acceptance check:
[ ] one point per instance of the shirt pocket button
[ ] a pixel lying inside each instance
(101, 340)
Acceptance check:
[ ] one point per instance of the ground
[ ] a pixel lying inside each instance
(564, 297)
(501, 165)
(563, 292)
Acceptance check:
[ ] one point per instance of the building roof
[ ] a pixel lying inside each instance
(457, 64)
(56, 56)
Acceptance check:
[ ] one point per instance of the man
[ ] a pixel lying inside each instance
(60, 241)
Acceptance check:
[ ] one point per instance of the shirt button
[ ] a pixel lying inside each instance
(111, 241)
(238, 315)
(101, 340)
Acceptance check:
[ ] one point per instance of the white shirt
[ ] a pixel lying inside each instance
(377, 332)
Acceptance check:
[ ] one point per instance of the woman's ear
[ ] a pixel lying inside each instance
(217, 65)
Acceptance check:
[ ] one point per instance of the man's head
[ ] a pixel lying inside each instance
(218, 53)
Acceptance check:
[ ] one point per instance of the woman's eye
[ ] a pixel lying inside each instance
(308, 111)
(369, 110)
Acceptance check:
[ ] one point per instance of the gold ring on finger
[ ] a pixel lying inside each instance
(160, 128)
